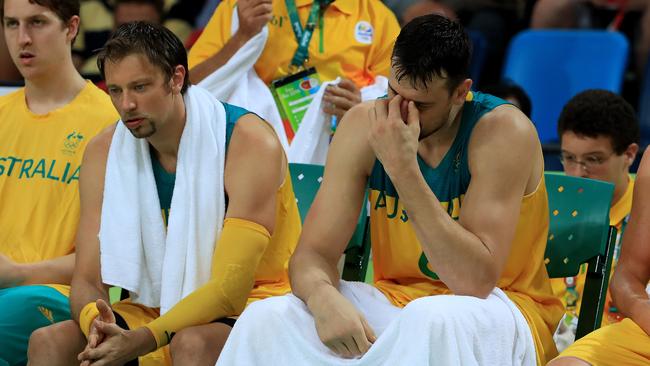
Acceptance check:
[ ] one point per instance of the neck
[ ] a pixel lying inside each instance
(53, 89)
(167, 140)
(619, 190)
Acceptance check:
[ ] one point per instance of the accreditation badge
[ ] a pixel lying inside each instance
(293, 95)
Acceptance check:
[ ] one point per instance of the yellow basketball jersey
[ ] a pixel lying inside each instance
(40, 159)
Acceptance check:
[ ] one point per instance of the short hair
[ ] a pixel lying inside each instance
(594, 113)
(64, 9)
(507, 90)
(161, 47)
(432, 46)
(159, 5)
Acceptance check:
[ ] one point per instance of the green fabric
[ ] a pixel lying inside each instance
(24, 309)
(165, 181)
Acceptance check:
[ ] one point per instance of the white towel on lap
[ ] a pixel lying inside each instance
(160, 267)
(435, 330)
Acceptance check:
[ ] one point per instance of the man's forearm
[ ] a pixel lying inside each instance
(84, 292)
(214, 62)
(629, 295)
(308, 272)
(53, 271)
(436, 231)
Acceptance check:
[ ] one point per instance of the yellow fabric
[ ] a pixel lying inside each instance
(255, 251)
(40, 158)
(572, 296)
(342, 54)
(136, 316)
(239, 250)
(397, 255)
(86, 316)
(623, 343)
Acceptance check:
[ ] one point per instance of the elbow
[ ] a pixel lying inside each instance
(480, 286)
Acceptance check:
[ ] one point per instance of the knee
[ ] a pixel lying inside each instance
(189, 342)
(63, 338)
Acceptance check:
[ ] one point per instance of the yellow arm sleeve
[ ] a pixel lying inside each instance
(234, 263)
(86, 317)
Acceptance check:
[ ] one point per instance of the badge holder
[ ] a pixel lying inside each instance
(293, 95)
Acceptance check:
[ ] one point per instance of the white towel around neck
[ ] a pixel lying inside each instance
(159, 267)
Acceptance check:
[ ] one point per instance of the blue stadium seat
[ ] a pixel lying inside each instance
(554, 65)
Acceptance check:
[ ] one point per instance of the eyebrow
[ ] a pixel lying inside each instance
(587, 153)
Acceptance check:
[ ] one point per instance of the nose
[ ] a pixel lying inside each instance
(127, 103)
(24, 38)
(576, 170)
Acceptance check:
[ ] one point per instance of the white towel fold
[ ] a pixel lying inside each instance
(160, 267)
(311, 142)
(237, 83)
(434, 330)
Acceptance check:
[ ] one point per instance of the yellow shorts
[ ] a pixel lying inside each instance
(623, 343)
(135, 316)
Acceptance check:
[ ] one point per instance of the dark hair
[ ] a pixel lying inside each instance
(161, 47)
(159, 5)
(594, 113)
(64, 9)
(432, 46)
(509, 90)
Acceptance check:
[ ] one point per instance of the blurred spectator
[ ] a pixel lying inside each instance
(352, 40)
(600, 14)
(512, 93)
(96, 33)
(497, 21)
(599, 135)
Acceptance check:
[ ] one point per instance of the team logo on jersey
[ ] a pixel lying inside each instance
(71, 143)
(363, 32)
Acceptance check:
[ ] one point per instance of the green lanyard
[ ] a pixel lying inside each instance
(303, 36)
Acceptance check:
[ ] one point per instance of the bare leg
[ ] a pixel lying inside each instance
(568, 361)
(57, 344)
(554, 14)
(200, 345)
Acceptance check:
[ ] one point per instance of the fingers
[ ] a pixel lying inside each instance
(349, 85)
(413, 117)
(394, 108)
(362, 344)
(370, 334)
(109, 329)
(341, 103)
(105, 311)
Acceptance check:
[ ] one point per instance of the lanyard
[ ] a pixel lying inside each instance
(303, 36)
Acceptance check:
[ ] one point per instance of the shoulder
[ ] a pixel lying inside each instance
(254, 137)
(507, 126)
(97, 105)
(98, 146)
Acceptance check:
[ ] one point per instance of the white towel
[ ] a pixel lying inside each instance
(237, 83)
(311, 142)
(160, 267)
(435, 330)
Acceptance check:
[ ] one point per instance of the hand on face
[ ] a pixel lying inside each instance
(338, 99)
(253, 16)
(339, 324)
(394, 133)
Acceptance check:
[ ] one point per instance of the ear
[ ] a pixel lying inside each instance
(73, 27)
(178, 78)
(460, 94)
(630, 153)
